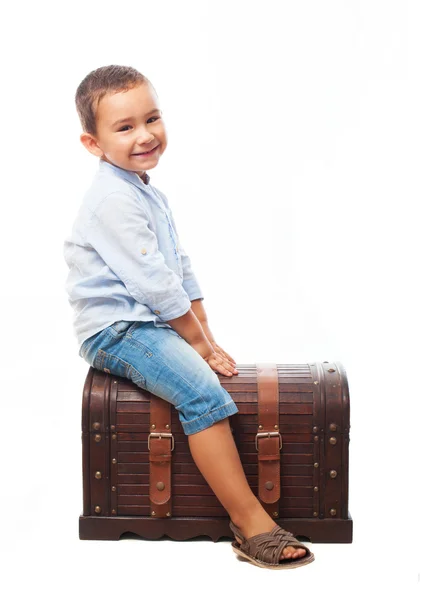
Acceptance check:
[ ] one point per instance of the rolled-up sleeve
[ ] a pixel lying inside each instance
(190, 281)
(119, 232)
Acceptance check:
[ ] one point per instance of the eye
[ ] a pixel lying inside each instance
(123, 128)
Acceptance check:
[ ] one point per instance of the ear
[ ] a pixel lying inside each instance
(90, 142)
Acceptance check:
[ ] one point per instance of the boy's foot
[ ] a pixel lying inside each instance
(288, 552)
(262, 525)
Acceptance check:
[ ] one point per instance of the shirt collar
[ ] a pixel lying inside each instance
(130, 176)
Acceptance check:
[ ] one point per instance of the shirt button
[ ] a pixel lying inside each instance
(157, 312)
(143, 251)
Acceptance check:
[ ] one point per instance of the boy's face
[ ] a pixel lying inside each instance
(141, 129)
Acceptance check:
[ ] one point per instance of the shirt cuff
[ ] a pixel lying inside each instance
(193, 289)
(172, 308)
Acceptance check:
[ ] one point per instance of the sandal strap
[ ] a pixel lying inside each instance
(236, 531)
(277, 530)
(268, 546)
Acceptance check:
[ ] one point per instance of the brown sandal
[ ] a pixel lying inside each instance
(264, 549)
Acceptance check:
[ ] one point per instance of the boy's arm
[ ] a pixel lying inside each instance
(189, 327)
(193, 325)
(199, 310)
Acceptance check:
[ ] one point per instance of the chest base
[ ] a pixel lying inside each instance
(179, 528)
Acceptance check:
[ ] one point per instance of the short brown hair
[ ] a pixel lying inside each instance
(113, 78)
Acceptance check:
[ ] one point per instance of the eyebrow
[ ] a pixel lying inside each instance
(129, 118)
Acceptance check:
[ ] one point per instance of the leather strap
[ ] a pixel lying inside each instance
(268, 439)
(160, 444)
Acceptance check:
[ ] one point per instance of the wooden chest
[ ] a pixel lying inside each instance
(139, 476)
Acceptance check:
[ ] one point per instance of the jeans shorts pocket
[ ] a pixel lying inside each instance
(109, 363)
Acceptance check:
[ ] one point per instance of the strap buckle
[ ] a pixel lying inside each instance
(161, 435)
(268, 434)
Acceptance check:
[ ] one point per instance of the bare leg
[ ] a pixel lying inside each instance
(216, 456)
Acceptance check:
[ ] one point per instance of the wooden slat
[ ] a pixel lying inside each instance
(249, 469)
(130, 440)
(183, 490)
(180, 447)
(179, 479)
(205, 501)
(194, 511)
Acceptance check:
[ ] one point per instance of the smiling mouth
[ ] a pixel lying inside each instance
(146, 153)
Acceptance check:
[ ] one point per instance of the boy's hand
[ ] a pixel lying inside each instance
(220, 364)
(224, 355)
(216, 361)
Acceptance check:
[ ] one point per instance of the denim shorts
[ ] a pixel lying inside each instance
(159, 360)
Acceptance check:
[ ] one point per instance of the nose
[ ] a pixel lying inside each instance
(144, 137)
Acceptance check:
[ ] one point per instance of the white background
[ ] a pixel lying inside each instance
(294, 171)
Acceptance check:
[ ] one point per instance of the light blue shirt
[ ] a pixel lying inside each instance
(124, 256)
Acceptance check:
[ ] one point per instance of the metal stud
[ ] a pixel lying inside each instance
(153, 426)
(167, 426)
(113, 488)
(168, 514)
(315, 429)
(316, 465)
(315, 514)
(275, 514)
(98, 475)
(315, 489)
(331, 370)
(316, 382)
(333, 474)
(333, 427)
(316, 438)
(96, 426)
(113, 511)
(275, 426)
(153, 513)
(160, 485)
(114, 436)
(112, 427)
(269, 485)
(97, 437)
(114, 461)
(333, 441)
(97, 509)
(333, 512)
(260, 426)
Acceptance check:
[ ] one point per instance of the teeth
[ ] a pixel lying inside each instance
(148, 152)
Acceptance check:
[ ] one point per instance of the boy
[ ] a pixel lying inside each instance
(138, 305)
